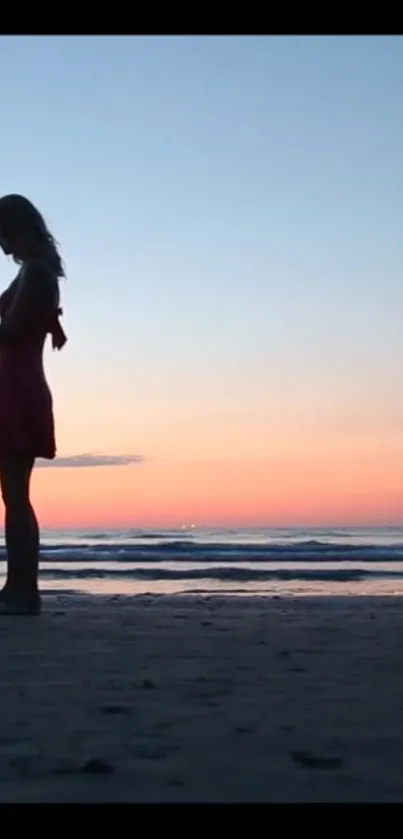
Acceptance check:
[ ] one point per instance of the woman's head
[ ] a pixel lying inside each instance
(24, 234)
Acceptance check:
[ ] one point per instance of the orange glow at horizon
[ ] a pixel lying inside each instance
(293, 491)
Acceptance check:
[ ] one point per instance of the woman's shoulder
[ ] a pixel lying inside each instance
(39, 269)
(39, 277)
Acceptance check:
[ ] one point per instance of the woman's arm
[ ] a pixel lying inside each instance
(37, 290)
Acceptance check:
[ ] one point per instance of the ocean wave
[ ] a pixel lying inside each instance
(135, 535)
(311, 550)
(224, 573)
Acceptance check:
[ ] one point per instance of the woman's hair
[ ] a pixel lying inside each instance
(20, 219)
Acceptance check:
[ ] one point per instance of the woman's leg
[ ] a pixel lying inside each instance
(21, 528)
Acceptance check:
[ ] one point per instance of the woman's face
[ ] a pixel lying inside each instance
(17, 248)
(5, 245)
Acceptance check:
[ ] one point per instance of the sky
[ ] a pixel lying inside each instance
(230, 213)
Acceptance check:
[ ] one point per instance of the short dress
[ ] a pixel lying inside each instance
(26, 406)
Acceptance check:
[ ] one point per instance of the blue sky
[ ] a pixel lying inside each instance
(230, 211)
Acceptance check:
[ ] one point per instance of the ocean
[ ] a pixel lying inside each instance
(290, 561)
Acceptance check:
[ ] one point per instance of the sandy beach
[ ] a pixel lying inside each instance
(203, 699)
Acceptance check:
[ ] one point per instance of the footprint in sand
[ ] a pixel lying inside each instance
(307, 760)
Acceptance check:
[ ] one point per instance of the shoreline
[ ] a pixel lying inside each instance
(203, 698)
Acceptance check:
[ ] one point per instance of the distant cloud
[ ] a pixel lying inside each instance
(78, 461)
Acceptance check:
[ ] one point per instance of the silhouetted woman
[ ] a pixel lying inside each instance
(29, 310)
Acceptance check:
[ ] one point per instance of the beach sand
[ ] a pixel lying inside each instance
(203, 699)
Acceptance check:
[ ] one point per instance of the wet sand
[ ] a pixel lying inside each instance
(203, 699)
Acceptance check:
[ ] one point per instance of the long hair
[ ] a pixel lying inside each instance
(20, 218)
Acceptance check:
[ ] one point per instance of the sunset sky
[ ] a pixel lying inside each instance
(230, 212)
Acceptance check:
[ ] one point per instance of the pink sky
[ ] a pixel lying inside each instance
(229, 211)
